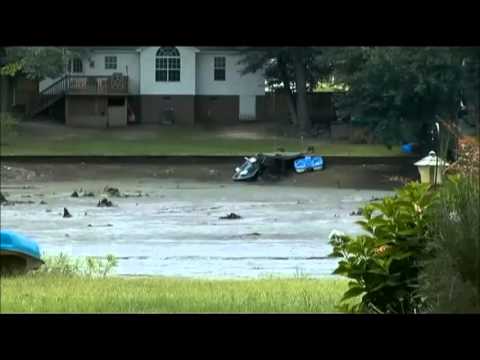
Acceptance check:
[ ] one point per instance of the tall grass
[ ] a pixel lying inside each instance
(451, 279)
(55, 293)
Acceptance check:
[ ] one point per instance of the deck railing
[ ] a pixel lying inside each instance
(96, 85)
(80, 85)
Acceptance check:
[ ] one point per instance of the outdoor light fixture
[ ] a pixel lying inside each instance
(430, 168)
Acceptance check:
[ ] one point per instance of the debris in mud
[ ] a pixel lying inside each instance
(169, 171)
(138, 195)
(231, 216)
(48, 210)
(85, 213)
(111, 191)
(375, 199)
(107, 225)
(17, 202)
(43, 202)
(359, 212)
(26, 196)
(3, 199)
(253, 234)
(66, 235)
(66, 213)
(104, 203)
(81, 193)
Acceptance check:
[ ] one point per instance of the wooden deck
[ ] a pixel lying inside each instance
(96, 85)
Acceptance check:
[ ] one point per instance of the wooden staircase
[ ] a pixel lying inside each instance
(117, 84)
(49, 96)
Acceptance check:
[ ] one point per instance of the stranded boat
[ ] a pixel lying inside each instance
(308, 163)
(18, 253)
(276, 163)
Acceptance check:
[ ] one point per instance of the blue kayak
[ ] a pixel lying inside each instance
(19, 251)
(308, 163)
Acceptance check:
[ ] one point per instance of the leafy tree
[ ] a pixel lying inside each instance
(35, 63)
(295, 71)
(39, 62)
(398, 88)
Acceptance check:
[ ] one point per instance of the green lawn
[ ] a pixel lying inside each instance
(42, 293)
(166, 141)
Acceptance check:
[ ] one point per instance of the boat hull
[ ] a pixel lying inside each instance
(17, 253)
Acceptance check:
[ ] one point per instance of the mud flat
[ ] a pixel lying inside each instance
(170, 221)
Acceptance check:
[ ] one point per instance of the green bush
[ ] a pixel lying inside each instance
(8, 126)
(451, 280)
(67, 266)
(384, 263)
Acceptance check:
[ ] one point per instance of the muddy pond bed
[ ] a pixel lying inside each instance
(182, 227)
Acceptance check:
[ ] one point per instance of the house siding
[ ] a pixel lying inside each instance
(235, 83)
(197, 97)
(127, 63)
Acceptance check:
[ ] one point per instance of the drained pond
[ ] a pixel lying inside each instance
(174, 228)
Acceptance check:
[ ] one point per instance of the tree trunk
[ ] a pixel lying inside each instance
(292, 108)
(4, 94)
(301, 87)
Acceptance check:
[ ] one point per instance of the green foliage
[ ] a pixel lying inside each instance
(399, 84)
(67, 266)
(11, 69)
(40, 62)
(384, 263)
(277, 64)
(451, 279)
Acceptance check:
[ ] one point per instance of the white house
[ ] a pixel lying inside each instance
(180, 84)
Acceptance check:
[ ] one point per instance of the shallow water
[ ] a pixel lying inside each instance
(176, 230)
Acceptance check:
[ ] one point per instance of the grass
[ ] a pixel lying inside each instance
(166, 141)
(43, 293)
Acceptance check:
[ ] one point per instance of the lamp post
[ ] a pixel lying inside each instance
(428, 168)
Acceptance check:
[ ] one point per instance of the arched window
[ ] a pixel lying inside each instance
(167, 64)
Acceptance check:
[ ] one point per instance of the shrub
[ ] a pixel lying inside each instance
(451, 279)
(384, 263)
(67, 266)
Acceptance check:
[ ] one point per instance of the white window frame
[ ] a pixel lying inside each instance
(167, 60)
(220, 67)
(71, 66)
(110, 61)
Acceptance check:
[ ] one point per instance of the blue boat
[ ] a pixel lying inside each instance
(18, 253)
(308, 163)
